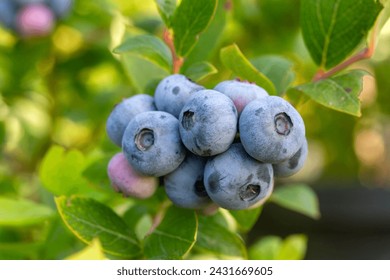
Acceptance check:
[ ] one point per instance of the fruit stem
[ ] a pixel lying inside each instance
(177, 61)
(364, 54)
(157, 219)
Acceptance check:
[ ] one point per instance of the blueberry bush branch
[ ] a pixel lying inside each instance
(177, 61)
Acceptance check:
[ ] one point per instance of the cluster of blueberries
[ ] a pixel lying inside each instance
(32, 18)
(219, 147)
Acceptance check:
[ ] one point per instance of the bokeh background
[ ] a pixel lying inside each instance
(61, 88)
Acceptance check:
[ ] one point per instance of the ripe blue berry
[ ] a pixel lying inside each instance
(125, 180)
(234, 180)
(7, 13)
(185, 187)
(208, 123)
(124, 112)
(28, 2)
(60, 8)
(292, 165)
(240, 92)
(271, 130)
(152, 145)
(173, 92)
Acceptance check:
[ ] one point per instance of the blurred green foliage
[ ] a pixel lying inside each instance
(60, 89)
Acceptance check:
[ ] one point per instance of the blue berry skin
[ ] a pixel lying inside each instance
(271, 130)
(208, 123)
(124, 112)
(61, 8)
(235, 181)
(292, 165)
(28, 2)
(7, 14)
(152, 145)
(240, 92)
(185, 187)
(173, 92)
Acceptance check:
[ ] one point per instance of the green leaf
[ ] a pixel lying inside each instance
(2, 134)
(293, 248)
(138, 219)
(278, 69)
(246, 218)
(189, 20)
(200, 70)
(61, 172)
(274, 248)
(217, 239)
(96, 171)
(209, 40)
(340, 93)
(234, 60)
(142, 73)
(20, 250)
(19, 212)
(134, 214)
(92, 252)
(166, 8)
(267, 248)
(174, 237)
(148, 47)
(332, 29)
(89, 219)
(299, 198)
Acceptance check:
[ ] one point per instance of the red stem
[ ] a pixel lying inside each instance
(157, 219)
(177, 61)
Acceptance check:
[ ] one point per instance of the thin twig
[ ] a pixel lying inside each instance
(177, 61)
(157, 219)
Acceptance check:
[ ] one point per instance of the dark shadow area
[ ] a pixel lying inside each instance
(355, 224)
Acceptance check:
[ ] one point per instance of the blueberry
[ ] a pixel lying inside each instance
(235, 181)
(7, 13)
(28, 2)
(35, 20)
(292, 165)
(185, 187)
(125, 180)
(124, 112)
(60, 8)
(241, 92)
(152, 145)
(208, 123)
(173, 92)
(271, 130)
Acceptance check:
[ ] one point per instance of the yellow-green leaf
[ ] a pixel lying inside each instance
(300, 198)
(89, 219)
(200, 70)
(234, 60)
(148, 47)
(190, 19)
(340, 93)
(21, 212)
(93, 251)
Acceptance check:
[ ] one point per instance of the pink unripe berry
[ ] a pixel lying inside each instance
(125, 180)
(35, 20)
